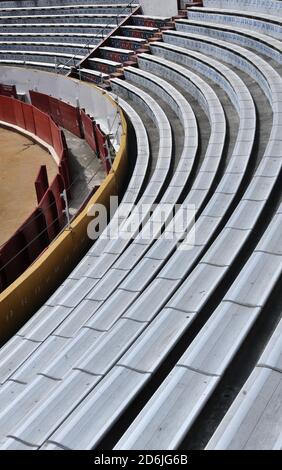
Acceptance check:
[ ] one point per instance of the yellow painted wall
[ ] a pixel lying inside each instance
(22, 298)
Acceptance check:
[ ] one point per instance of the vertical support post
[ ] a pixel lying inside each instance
(66, 210)
(119, 119)
(108, 157)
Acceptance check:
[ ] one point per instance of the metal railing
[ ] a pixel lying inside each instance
(60, 66)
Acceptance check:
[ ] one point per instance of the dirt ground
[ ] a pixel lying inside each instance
(20, 161)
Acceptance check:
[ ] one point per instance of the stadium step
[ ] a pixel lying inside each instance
(141, 32)
(132, 39)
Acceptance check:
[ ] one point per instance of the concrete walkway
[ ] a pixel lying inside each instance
(86, 168)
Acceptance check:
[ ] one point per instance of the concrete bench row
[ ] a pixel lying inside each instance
(58, 57)
(36, 46)
(265, 24)
(54, 28)
(75, 9)
(116, 54)
(77, 19)
(77, 38)
(171, 412)
(120, 329)
(259, 400)
(156, 184)
(131, 258)
(104, 65)
(261, 43)
(273, 7)
(47, 66)
(200, 369)
(52, 3)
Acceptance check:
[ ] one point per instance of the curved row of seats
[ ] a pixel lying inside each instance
(202, 366)
(165, 420)
(168, 314)
(155, 339)
(162, 249)
(174, 189)
(92, 28)
(73, 28)
(83, 20)
(263, 6)
(254, 419)
(211, 151)
(211, 104)
(31, 4)
(262, 43)
(261, 22)
(37, 56)
(76, 29)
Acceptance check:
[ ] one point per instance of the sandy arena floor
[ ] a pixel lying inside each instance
(20, 160)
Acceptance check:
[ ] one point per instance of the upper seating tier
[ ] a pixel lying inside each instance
(264, 23)
(88, 22)
(274, 7)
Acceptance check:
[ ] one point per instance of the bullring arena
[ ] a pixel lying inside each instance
(154, 323)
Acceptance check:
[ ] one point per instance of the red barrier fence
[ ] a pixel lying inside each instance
(95, 138)
(103, 151)
(41, 183)
(70, 117)
(42, 126)
(8, 90)
(89, 130)
(29, 118)
(7, 110)
(19, 114)
(63, 114)
(46, 221)
(41, 101)
(76, 121)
